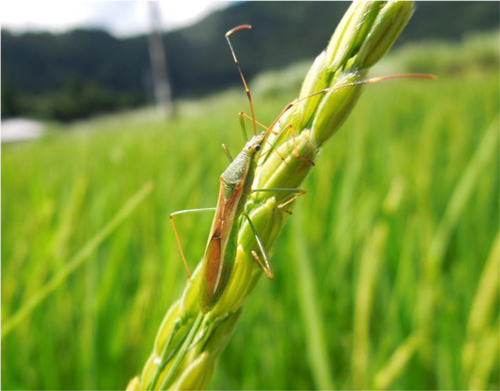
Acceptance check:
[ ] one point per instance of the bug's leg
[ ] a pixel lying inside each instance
(372, 80)
(272, 147)
(268, 271)
(242, 115)
(337, 87)
(280, 135)
(242, 125)
(172, 215)
(298, 193)
(296, 148)
(268, 153)
(265, 266)
(228, 154)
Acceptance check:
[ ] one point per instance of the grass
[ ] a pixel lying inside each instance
(383, 194)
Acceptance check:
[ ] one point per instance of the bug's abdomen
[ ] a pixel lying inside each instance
(221, 247)
(218, 271)
(211, 273)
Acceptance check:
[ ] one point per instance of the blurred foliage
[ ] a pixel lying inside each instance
(477, 52)
(74, 100)
(80, 100)
(395, 164)
(37, 66)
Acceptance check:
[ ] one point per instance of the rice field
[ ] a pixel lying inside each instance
(386, 274)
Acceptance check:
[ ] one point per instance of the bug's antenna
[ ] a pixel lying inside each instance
(354, 83)
(247, 90)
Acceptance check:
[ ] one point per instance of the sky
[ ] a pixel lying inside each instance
(121, 18)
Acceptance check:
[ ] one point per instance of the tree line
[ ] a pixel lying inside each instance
(84, 72)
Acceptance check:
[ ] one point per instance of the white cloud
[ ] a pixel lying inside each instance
(122, 18)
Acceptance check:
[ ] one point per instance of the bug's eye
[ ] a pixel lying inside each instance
(257, 148)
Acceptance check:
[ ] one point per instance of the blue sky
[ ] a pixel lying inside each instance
(121, 18)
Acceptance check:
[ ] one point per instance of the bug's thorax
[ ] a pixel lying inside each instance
(237, 171)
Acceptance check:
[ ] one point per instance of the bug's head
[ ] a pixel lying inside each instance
(255, 144)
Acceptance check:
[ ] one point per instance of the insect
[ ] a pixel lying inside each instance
(235, 188)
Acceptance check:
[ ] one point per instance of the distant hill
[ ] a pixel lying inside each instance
(113, 73)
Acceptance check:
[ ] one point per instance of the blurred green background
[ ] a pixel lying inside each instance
(391, 254)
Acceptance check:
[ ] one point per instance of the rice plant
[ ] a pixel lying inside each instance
(190, 339)
(410, 158)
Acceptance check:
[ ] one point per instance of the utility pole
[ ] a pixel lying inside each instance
(157, 55)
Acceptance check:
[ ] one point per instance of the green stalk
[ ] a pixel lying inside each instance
(317, 353)
(182, 352)
(396, 363)
(482, 311)
(75, 262)
(428, 293)
(370, 265)
(364, 35)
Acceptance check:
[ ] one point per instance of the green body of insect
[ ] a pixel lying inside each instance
(235, 186)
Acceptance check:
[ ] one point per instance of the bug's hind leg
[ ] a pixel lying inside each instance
(264, 265)
(177, 238)
(266, 269)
